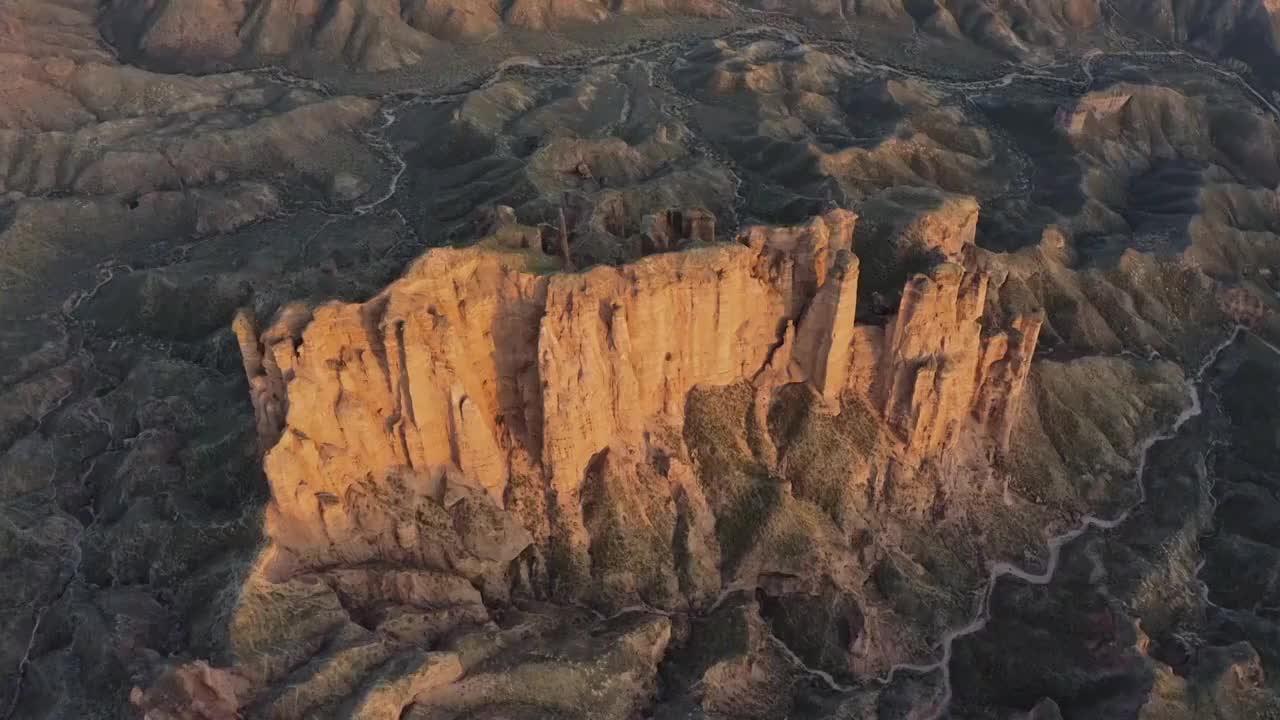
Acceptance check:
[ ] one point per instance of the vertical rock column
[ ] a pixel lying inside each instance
(932, 350)
(824, 342)
(943, 365)
(1003, 375)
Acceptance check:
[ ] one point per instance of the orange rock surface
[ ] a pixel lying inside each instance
(472, 373)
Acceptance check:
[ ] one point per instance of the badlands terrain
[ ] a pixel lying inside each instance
(622, 359)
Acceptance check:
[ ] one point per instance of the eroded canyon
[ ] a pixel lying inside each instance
(661, 359)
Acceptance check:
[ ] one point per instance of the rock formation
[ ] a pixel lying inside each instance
(539, 416)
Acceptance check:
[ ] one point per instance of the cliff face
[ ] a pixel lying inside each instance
(618, 352)
(669, 438)
(941, 366)
(474, 376)
(438, 372)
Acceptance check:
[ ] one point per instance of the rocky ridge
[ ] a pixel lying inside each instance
(540, 419)
(508, 370)
(489, 432)
(509, 404)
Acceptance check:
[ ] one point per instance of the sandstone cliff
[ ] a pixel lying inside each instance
(941, 365)
(649, 440)
(474, 372)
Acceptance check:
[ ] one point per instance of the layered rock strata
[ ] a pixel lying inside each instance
(473, 371)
